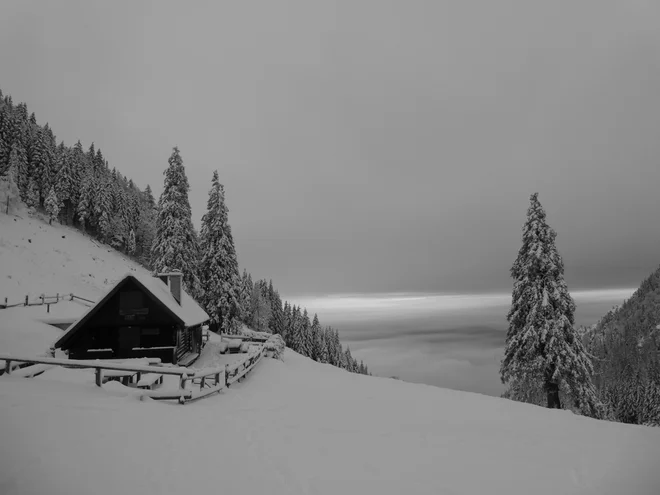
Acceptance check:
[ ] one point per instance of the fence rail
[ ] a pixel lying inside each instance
(210, 380)
(44, 300)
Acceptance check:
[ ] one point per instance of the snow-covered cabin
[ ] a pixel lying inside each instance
(140, 316)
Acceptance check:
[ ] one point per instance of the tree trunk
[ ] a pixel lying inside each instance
(552, 389)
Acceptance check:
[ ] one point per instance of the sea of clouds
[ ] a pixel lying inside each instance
(448, 340)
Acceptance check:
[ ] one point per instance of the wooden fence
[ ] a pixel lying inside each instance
(209, 380)
(44, 300)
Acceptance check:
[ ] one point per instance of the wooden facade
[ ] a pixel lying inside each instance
(132, 321)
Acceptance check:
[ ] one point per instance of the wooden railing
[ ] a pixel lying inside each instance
(44, 300)
(238, 370)
(210, 380)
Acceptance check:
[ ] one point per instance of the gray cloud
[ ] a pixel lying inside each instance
(370, 145)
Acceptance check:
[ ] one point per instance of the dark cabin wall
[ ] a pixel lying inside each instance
(130, 318)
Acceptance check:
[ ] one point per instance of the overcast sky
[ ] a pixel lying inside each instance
(371, 146)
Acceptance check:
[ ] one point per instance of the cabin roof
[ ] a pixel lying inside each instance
(188, 313)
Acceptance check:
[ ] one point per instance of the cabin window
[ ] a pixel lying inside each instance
(151, 331)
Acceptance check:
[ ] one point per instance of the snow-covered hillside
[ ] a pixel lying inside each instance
(39, 258)
(298, 427)
(292, 427)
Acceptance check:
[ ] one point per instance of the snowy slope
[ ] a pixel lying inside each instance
(293, 427)
(297, 427)
(37, 258)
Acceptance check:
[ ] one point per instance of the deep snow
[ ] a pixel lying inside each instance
(301, 427)
(292, 427)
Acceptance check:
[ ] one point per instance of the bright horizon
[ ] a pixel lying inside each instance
(447, 340)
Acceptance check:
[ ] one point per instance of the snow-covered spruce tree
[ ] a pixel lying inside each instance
(246, 297)
(542, 347)
(276, 323)
(260, 309)
(175, 243)
(131, 243)
(306, 334)
(32, 194)
(9, 182)
(218, 263)
(52, 205)
(317, 339)
(294, 337)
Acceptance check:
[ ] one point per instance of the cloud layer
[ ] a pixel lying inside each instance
(448, 340)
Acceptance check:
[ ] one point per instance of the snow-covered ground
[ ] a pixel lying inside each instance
(295, 426)
(292, 427)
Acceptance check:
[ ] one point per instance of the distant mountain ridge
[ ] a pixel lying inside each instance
(625, 349)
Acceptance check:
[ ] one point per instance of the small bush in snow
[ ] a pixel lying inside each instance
(275, 345)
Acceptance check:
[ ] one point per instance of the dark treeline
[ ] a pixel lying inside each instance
(625, 349)
(266, 312)
(77, 187)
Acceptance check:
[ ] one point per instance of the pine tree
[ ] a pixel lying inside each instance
(246, 297)
(52, 205)
(328, 354)
(260, 308)
(65, 182)
(286, 322)
(277, 314)
(131, 242)
(8, 182)
(542, 347)
(83, 210)
(219, 266)
(103, 209)
(175, 244)
(145, 229)
(316, 339)
(350, 362)
(306, 335)
(6, 125)
(32, 195)
(295, 335)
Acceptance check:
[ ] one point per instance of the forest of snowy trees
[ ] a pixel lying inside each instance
(77, 187)
(625, 349)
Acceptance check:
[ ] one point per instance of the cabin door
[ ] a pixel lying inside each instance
(129, 338)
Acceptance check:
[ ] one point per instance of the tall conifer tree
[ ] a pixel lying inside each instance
(219, 266)
(542, 347)
(175, 244)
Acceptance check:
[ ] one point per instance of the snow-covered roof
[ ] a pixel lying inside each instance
(188, 312)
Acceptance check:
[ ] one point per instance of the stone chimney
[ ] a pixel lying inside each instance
(173, 280)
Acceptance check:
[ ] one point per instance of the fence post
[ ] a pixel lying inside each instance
(226, 375)
(26, 299)
(57, 297)
(8, 367)
(99, 376)
(42, 299)
(71, 295)
(48, 308)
